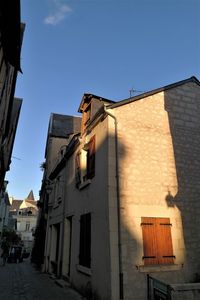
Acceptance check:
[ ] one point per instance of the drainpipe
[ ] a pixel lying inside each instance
(63, 226)
(64, 187)
(121, 292)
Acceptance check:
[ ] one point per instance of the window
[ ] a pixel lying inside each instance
(27, 226)
(91, 158)
(17, 227)
(85, 163)
(58, 191)
(85, 240)
(157, 241)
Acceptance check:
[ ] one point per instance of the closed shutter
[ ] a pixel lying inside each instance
(85, 240)
(149, 241)
(164, 241)
(157, 241)
(91, 158)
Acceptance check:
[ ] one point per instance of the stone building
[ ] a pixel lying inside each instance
(123, 210)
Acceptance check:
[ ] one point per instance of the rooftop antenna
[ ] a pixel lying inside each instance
(132, 92)
(16, 157)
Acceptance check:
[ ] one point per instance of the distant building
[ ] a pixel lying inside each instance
(23, 219)
(61, 129)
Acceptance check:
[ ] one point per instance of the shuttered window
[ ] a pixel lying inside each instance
(85, 240)
(157, 241)
(91, 158)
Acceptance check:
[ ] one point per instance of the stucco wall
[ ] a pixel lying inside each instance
(159, 169)
(55, 217)
(54, 145)
(91, 199)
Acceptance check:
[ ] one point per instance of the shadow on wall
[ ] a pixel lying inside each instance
(183, 111)
(138, 189)
(165, 183)
(172, 189)
(94, 198)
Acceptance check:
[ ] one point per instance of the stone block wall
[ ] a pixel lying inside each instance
(159, 171)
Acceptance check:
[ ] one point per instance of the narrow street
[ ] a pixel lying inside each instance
(23, 282)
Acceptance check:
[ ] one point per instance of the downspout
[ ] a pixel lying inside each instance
(46, 250)
(64, 187)
(121, 291)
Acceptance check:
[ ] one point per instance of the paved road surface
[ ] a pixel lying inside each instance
(23, 282)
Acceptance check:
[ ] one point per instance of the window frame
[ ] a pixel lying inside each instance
(85, 163)
(91, 158)
(28, 225)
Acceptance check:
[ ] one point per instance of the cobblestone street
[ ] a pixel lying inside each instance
(23, 282)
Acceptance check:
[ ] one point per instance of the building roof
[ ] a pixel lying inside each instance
(87, 98)
(16, 205)
(30, 196)
(23, 204)
(31, 203)
(155, 91)
(63, 125)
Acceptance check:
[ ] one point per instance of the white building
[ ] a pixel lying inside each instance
(23, 214)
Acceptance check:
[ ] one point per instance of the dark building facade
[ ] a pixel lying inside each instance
(11, 35)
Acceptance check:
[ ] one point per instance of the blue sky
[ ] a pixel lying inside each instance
(105, 47)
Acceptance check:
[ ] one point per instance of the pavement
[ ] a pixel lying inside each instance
(21, 281)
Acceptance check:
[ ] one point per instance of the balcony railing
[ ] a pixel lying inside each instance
(157, 290)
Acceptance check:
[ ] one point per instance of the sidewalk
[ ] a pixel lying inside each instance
(23, 282)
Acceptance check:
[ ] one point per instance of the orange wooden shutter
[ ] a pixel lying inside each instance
(149, 241)
(164, 241)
